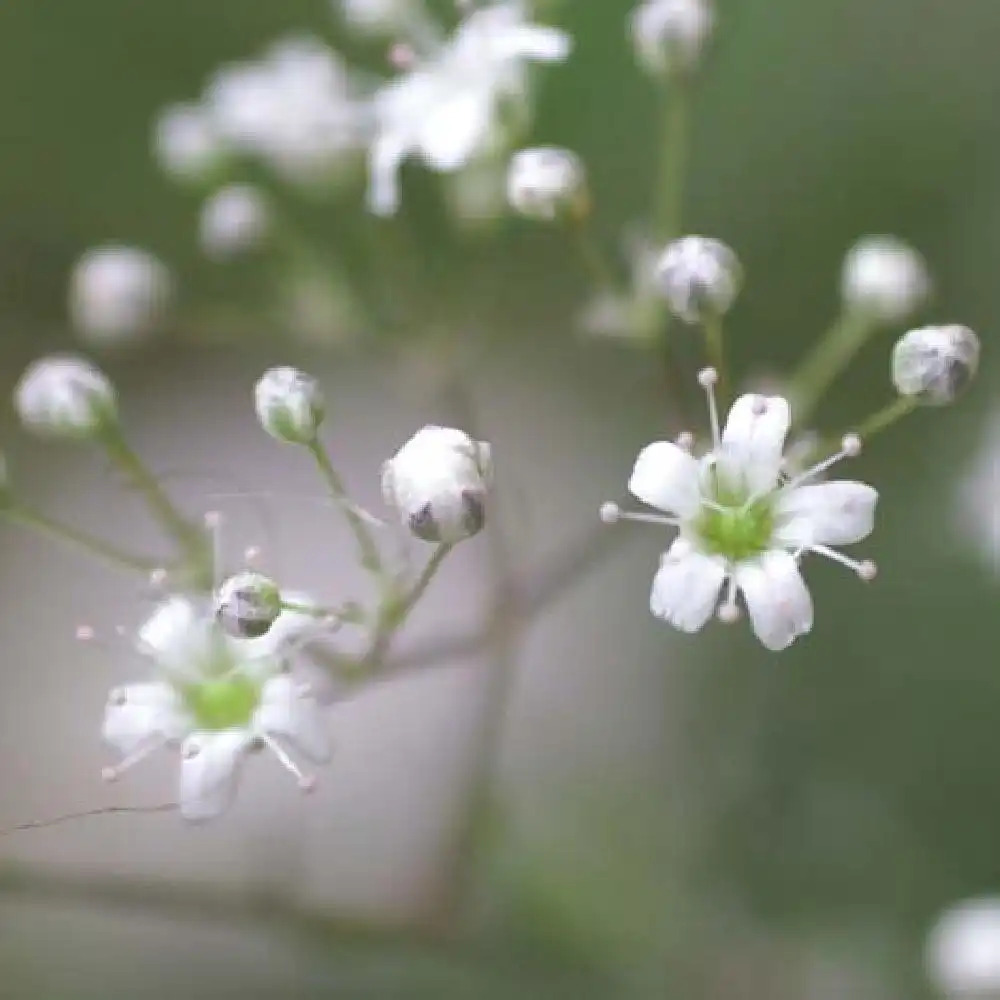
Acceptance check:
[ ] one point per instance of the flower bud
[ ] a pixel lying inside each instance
(233, 221)
(669, 36)
(884, 280)
(935, 363)
(65, 396)
(118, 293)
(963, 951)
(247, 605)
(547, 182)
(289, 405)
(698, 277)
(186, 144)
(438, 482)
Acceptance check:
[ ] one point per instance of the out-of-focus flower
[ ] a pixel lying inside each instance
(884, 280)
(438, 482)
(65, 396)
(289, 405)
(547, 182)
(698, 277)
(215, 702)
(233, 221)
(935, 363)
(963, 951)
(118, 294)
(670, 35)
(742, 524)
(447, 109)
(247, 605)
(977, 501)
(186, 144)
(388, 18)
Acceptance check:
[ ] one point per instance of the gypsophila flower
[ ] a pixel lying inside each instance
(247, 605)
(977, 499)
(884, 280)
(935, 363)
(65, 396)
(118, 294)
(215, 701)
(669, 36)
(698, 277)
(385, 17)
(233, 221)
(963, 951)
(186, 144)
(743, 524)
(289, 405)
(438, 482)
(547, 182)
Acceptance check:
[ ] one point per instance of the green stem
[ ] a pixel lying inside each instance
(715, 349)
(886, 416)
(828, 359)
(669, 198)
(592, 255)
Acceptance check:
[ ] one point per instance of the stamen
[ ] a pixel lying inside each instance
(213, 523)
(729, 610)
(707, 378)
(628, 515)
(865, 568)
(610, 513)
(251, 556)
(307, 782)
(113, 773)
(850, 447)
(685, 441)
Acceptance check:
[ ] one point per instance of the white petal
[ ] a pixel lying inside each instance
(286, 712)
(140, 713)
(455, 129)
(177, 636)
(686, 586)
(777, 599)
(834, 513)
(210, 766)
(528, 41)
(665, 476)
(384, 161)
(753, 440)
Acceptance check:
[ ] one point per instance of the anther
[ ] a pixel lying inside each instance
(707, 377)
(867, 570)
(851, 445)
(610, 513)
(110, 774)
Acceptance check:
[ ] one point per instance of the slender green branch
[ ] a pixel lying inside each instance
(886, 416)
(592, 254)
(715, 350)
(669, 194)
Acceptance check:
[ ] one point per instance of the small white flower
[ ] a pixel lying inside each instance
(233, 221)
(935, 363)
(699, 277)
(247, 605)
(670, 35)
(963, 951)
(884, 280)
(65, 396)
(446, 110)
(546, 182)
(977, 500)
(384, 17)
(186, 144)
(215, 699)
(289, 405)
(438, 482)
(118, 293)
(743, 523)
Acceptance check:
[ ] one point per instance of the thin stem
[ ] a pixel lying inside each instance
(592, 254)
(44, 824)
(886, 416)
(826, 361)
(669, 195)
(715, 349)
(78, 539)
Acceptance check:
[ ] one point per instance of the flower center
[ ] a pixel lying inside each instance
(222, 704)
(733, 528)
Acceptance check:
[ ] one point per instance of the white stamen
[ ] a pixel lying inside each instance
(707, 379)
(850, 448)
(110, 774)
(307, 782)
(865, 568)
(628, 515)
(729, 610)
(213, 523)
(851, 445)
(610, 513)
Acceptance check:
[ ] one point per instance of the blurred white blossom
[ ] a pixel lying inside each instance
(545, 182)
(884, 280)
(977, 500)
(669, 36)
(698, 277)
(963, 951)
(289, 405)
(935, 363)
(186, 144)
(390, 18)
(65, 396)
(233, 221)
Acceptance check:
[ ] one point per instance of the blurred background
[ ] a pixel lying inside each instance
(674, 816)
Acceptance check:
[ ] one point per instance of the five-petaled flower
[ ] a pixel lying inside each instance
(744, 523)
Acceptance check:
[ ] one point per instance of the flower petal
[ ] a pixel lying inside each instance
(777, 599)
(178, 637)
(666, 476)
(455, 129)
(384, 161)
(210, 766)
(834, 513)
(140, 713)
(287, 712)
(753, 440)
(686, 586)
(532, 41)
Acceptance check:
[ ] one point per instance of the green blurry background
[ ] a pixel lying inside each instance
(709, 821)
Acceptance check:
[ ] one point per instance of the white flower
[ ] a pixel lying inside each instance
(65, 396)
(384, 17)
(118, 293)
(546, 182)
(438, 482)
(216, 699)
(185, 142)
(977, 501)
(935, 363)
(670, 35)
(445, 111)
(743, 523)
(247, 605)
(884, 280)
(963, 951)
(698, 277)
(289, 405)
(234, 220)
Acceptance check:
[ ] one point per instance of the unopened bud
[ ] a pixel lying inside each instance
(233, 221)
(547, 183)
(186, 144)
(65, 396)
(935, 363)
(669, 36)
(699, 278)
(289, 405)
(884, 280)
(247, 605)
(963, 951)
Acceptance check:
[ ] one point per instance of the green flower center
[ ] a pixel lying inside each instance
(227, 703)
(736, 530)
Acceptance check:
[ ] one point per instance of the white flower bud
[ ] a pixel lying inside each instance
(233, 221)
(438, 482)
(669, 36)
(963, 951)
(289, 405)
(65, 396)
(547, 182)
(186, 144)
(699, 277)
(935, 363)
(118, 293)
(247, 605)
(884, 280)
